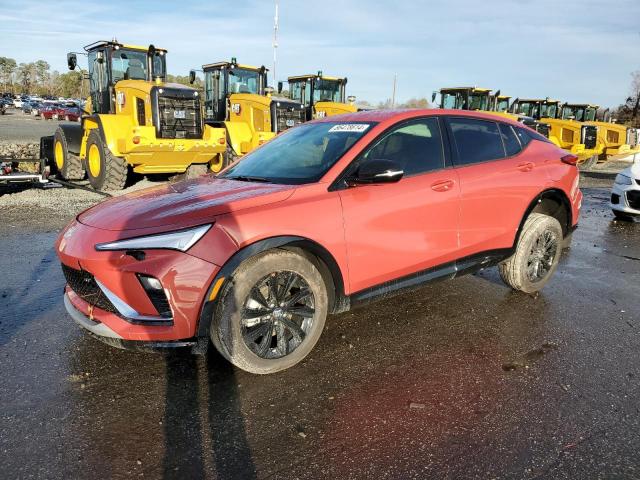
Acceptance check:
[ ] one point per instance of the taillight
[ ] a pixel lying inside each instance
(570, 159)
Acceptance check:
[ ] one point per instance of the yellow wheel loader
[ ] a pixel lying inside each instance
(237, 99)
(481, 99)
(613, 141)
(134, 120)
(576, 137)
(321, 96)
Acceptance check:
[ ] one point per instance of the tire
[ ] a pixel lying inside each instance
(528, 270)
(104, 170)
(231, 338)
(622, 216)
(67, 165)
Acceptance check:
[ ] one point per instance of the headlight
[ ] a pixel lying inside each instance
(623, 180)
(181, 240)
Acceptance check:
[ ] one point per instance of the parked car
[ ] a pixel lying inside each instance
(71, 112)
(328, 215)
(625, 194)
(17, 102)
(57, 111)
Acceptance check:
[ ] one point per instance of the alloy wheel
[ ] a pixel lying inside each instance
(542, 255)
(277, 315)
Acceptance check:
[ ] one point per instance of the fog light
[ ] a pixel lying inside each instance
(150, 283)
(222, 141)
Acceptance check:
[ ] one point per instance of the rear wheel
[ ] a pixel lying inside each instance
(271, 312)
(68, 165)
(104, 169)
(221, 161)
(537, 254)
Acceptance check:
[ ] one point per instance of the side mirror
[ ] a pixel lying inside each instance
(433, 97)
(351, 99)
(72, 61)
(192, 76)
(279, 87)
(377, 170)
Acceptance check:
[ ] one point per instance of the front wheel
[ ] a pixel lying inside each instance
(271, 312)
(104, 169)
(536, 256)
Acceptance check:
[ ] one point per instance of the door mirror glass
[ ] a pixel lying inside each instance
(378, 170)
(72, 61)
(279, 87)
(192, 76)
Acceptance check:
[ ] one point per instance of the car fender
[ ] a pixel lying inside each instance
(339, 301)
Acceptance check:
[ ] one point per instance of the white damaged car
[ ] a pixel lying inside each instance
(625, 195)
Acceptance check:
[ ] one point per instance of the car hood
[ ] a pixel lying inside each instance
(181, 204)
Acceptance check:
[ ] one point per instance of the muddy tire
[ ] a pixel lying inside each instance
(104, 170)
(536, 256)
(271, 312)
(66, 164)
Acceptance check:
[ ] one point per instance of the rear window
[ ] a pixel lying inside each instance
(476, 140)
(511, 142)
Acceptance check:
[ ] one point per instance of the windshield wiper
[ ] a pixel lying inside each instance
(247, 178)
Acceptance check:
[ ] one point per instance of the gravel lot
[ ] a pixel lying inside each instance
(16, 127)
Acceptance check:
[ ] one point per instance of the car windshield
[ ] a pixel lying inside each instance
(300, 155)
(244, 81)
(326, 91)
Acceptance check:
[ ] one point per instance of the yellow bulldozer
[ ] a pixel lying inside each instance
(238, 99)
(481, 99)
(134, 121)
(322, 96)
(574, 136)
(613, 141)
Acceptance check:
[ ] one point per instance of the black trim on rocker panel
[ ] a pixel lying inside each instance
(446, 271)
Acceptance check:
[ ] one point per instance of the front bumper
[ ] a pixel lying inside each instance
(184, 278)
(620, 198)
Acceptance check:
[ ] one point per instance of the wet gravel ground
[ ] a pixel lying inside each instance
(460, 379)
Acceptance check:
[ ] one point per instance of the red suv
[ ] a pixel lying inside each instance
(327, 215)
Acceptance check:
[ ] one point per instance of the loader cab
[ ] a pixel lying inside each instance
(465, 98)
(111, 62)
(223, 79)
(311, 90)
(501, 103)
(536, 108)
(579, 112)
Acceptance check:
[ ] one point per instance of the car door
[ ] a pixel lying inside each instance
(497, 182)
(392, 230)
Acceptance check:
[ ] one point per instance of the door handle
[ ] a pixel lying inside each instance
(526, 167)
(442, 186)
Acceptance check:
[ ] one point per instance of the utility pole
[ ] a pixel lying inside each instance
(393, 97)
(275, 44)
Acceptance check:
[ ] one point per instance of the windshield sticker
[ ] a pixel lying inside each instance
(349, 127)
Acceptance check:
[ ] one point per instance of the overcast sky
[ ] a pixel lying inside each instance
(573, 50)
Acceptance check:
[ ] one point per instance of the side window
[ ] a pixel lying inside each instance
(476, 140)
(511, 143)
(415, 146)
(523, 136)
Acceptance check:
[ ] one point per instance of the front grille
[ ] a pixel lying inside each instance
(84, 285)
(179, 117)
(543, 129)
(589, 136)
(286, 115)
(632, 137)
(633, 199)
